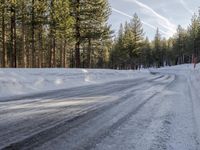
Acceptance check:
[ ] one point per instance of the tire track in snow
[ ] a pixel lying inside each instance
(61, 124)
(194, 97)
(107, 127)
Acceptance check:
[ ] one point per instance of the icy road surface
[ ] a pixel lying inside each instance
(158, 112)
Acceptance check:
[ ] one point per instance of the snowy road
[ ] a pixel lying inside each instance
(160, 111)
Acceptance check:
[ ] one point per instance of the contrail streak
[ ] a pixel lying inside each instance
(145, 23)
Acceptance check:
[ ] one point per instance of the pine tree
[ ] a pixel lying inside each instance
(146, 53)
(180, 44)
(13, 37)
(42, 33)
(193, 31)
(76, 12)
(157, 49)
(3, 31)
(137, 37)
(99, 31)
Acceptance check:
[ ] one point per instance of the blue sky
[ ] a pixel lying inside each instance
(164, 14)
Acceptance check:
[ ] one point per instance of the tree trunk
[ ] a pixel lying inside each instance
(15, 40)
(33, 33)
(51, 54)
(24, 61)
(54, 52)
(61, 54)
(89, 54)
(83, 57)
(52, 61)
(64, 54)
(4, 61)
(77, 27)
(13, 37)
(40, 57)
(72, 62)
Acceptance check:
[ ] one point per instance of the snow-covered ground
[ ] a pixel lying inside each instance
(108, 109)
(27, 81)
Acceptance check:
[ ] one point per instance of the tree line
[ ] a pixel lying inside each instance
(76, 33)
(54, 33)
(132, 50)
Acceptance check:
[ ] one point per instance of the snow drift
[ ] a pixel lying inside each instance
(27, 81)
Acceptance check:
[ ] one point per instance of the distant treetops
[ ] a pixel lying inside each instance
(75, 33)
(132, 50)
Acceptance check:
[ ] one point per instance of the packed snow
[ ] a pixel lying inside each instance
(155, 109)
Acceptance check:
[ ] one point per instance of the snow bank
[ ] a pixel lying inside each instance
(184, 69)
(27, 81)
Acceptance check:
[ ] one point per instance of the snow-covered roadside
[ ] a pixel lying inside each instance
(27, 81)
(185, 130)
(154, 112)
